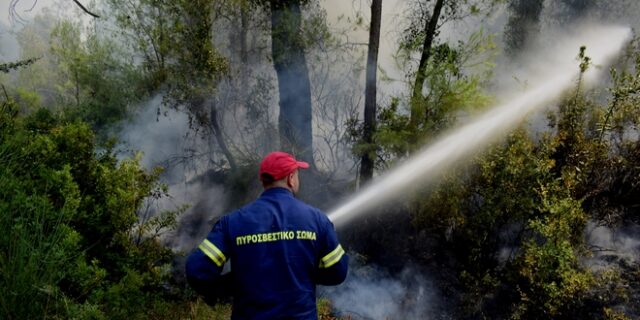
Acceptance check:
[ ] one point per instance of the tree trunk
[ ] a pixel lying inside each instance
(577, 8)
(429, 34)
(218, 134)
(287, 51)
(367, 163)
(244, 54)
(524, 22)
(244, 27)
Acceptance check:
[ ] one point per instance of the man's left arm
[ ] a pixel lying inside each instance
(205, 263)
(332, 269)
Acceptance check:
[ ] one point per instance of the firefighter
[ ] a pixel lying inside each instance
(279, 249)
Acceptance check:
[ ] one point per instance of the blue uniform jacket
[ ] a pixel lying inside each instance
(280, 248)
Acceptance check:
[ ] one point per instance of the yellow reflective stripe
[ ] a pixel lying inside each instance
(215, 249)
(212, 252)
(330, 255)
(332, 258)
(211, 255)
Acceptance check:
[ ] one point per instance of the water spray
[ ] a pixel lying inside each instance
(559, 72)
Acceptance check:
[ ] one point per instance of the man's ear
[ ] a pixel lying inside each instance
(290, 180)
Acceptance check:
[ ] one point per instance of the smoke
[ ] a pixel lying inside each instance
(620, 243)
(549, 79)
(165, 139)
(342, 14)
(22, 12)
(535, 64)
(554, 20)
(559, 13)
(209, 201)
(247, 104)
(157, 133)
(249, 111)
(9, 48)
(372, 293)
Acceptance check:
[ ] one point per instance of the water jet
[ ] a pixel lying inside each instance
(549, 81)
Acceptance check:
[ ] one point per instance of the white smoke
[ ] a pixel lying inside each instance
(621, 243)
(549, 78)
(164, 138)
(158, 133)
(16, 14)
(370, 293)
(9, 47)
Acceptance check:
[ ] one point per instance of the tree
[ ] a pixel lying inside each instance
(454, 77)
(100, 80)
(179, 58)
(577, 8)
(368, 157)
(85, 9)
(421, 36)
(425, 52)
(79, 71)
(524, 20)
(13, 15)
(287, 51)
(516, 221)
(75, 244)
(37, 83)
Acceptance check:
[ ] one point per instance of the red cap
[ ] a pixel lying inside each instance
(279, 164)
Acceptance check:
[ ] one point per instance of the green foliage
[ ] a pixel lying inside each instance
(174, 39)
(325, 310)
(81, 74)
(73, 241)
(552, 280)
(454, 82)
(413, 34)
(39, 79)
(36, 202)
(81, 240)
(98, 87)
(450, 87)
(515, 221)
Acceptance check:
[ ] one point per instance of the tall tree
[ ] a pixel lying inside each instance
(430, 29)
(421, 37)
(287, 50)
(524, 22)
(367, 163)
(179, 58)
(577, 8)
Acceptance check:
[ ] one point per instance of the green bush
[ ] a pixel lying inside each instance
(512, 226)
(75, 245)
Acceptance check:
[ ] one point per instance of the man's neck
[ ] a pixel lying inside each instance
(278, 186)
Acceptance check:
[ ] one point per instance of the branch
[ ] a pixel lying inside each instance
(85, 9)
(6, 67)
(6, 96)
